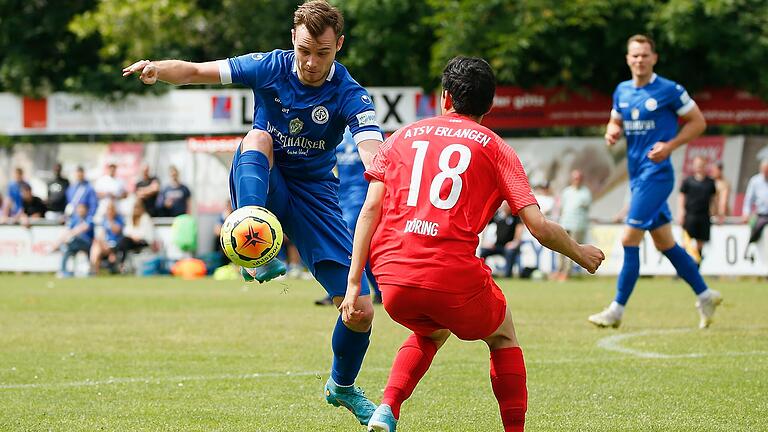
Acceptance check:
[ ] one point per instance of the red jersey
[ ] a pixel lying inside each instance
(445, 177)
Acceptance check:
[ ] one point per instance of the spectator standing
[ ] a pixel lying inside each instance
(723, 187)
(174, 198)
(57, 194)
(575, 201)
(81, 192)
(755, 208)
(14, 192)
(697, 196)
(509, 232)
(109, 188)
(106, 241)
(77, 238)
(147, 190)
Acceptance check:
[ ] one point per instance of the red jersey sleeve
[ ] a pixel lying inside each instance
(381, 160)
(512, 180)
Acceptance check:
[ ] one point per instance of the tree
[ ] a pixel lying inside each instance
(39, 54)
(388, 42)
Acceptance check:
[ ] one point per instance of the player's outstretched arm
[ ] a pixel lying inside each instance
(176, 72)
(553, 236)
(369, 218)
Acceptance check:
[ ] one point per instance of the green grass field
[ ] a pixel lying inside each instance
(127, 354)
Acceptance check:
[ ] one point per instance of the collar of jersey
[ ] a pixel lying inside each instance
(328, 78)
(653, 79)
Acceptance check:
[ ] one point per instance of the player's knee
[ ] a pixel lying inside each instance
(501, 341)
(361, 323)
(257, 139)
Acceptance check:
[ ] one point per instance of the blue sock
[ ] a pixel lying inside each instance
(252, 179)
(349, 349)
(630, 271)
(686, 268)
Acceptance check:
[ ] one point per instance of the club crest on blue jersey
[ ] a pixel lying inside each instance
(320, 114)
(295, 126)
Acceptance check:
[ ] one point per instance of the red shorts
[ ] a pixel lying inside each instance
(469, 316)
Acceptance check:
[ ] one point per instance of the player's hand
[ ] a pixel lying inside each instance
(659, 152)
(612, 134)
(347, 308)
(591, 258)
(148, 71)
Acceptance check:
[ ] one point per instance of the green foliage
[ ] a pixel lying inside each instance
(38, 54)
(81, 45)
(388, 42)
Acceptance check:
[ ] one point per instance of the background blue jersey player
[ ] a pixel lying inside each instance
(352, 191)
(647, 109)
(304, 100)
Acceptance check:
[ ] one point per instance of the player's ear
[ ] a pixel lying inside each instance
(339, 43)
(293, 37)
(447, 101)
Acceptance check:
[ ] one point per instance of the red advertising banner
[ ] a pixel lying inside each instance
(517, 108)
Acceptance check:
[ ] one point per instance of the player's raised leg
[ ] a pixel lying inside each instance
(349, 343)
(249, 182)
(508, 375)
(707, 299)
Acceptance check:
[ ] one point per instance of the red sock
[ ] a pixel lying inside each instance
(409, 367)
(508, 382)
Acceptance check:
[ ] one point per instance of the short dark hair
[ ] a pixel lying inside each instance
(640, 38)
(471, 83)
(317, 15)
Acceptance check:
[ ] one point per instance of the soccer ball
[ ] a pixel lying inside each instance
(251, 236)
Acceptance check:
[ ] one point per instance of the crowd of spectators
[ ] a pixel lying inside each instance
(91, 212)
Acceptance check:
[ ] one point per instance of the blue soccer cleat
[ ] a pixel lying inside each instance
(265, 273)
(382, 420)
(352, 398)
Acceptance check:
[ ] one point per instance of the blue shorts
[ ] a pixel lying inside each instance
(309, 212)
(648, 207)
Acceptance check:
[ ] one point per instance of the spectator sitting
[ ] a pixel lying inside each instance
(147, 190)
(32, 207)
(81, 192)
(77, 238)
(14, 207)
(174, 198)
(139, 232)
(109, 188)
(57, 194)
(509, 232)
(105, 243)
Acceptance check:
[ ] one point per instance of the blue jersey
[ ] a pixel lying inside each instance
(649, 115)
(305, 122)
(75, 220)
(352, 184)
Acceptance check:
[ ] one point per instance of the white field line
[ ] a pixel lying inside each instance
(614, 343)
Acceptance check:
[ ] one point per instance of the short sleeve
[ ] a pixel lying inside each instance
(381, 160)
(684, 187)
(681, 102)
(512, 179)
(255, 70)
(615, 110)
(360, 115)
